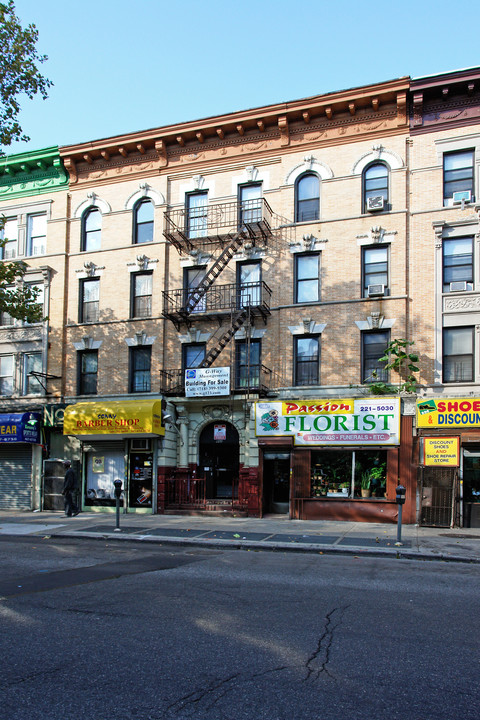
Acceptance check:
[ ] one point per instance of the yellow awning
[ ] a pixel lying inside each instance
(120, 418)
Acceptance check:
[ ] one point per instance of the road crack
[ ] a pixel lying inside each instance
(318, 661)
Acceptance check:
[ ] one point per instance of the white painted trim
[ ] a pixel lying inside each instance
(144, 191)
(381, 154)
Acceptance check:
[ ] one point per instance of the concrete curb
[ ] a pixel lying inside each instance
(399, 553)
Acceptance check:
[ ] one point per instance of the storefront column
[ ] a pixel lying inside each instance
(183, 423)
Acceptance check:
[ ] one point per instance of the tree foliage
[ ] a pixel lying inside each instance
(397, 358)
(19, 75)
(19, 71)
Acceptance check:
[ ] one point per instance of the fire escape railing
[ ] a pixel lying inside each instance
(256, 378)
(216, 299)
(215, 223)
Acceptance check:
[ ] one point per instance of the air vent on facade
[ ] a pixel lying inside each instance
(375, 290)
(462, 196)
(458, 286)
(375, 203)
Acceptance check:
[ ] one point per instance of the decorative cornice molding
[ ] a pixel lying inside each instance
(37, 172)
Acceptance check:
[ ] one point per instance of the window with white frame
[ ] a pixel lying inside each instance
(9, 236)
(32, 364)
(36, 234)
(458, 354)
(5, 317)
(6, 375)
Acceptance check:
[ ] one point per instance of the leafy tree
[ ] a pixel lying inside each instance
(19, 72)
(19, 75)
(397, 358)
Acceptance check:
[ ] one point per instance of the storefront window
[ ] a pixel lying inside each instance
(345, 474)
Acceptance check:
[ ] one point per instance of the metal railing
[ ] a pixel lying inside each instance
(254, 378)
(217, 298)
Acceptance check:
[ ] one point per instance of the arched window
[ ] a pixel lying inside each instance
(375, 187)
(143, 222)
(91, 229)
(307, 198)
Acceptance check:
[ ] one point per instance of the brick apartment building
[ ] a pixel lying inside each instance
(229, 286)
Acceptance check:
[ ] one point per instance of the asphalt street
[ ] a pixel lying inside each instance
(98, 629)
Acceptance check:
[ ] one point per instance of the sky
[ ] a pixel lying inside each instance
(121, 66)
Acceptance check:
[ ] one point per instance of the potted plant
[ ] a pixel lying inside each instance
(344, 486)
(366, 484)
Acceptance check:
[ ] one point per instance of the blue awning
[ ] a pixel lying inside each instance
(20, 427)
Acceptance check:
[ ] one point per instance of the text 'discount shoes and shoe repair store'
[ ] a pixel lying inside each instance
(119, 440)
(336, 459)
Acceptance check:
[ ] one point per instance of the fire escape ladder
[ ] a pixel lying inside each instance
(237, 321)
(196, 294)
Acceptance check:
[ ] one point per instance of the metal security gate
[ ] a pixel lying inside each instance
(438, 496)
(16, 477)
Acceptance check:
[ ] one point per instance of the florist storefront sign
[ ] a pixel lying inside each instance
(331, 422)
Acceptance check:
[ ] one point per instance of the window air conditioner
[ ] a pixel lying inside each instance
(140, 444)
(377, 202)
(375, 290)
(462, 196)
(458, 286)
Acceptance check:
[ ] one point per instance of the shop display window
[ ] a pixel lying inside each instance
(346, 474)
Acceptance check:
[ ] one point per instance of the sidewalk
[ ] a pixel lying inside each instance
(274, 532)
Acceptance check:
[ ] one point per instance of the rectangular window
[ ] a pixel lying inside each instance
(374, 267)
(89, 300)
(197, 208)
(457, 174)
(5, 318)
(32, 363)
(307, 278)
(458, 264)
(193, 355)
(87, 372)
(9, 234)
(6, 375)
(250, 203)
(36, 234)
(307, 360)
(374, 345)
(458, 355)
(249, 277)
(141, 295)
(140, 369)
(247, 364)
(192, 278)
(40, 299)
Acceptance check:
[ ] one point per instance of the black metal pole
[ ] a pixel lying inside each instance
(117, 510)
(399, 525)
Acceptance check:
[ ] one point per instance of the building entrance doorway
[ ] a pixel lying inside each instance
(276, 482)
(219, 460)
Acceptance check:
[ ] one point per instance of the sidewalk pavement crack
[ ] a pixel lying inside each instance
(318, 661)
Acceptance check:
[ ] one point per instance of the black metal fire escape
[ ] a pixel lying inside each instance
(224, 227)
